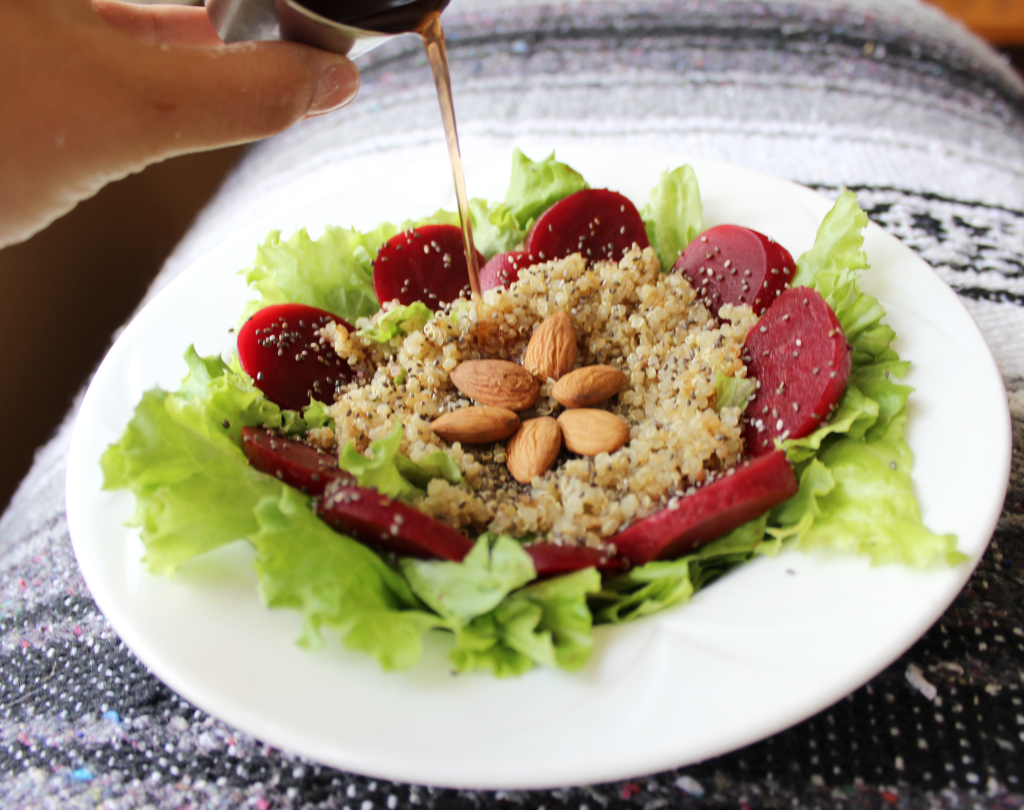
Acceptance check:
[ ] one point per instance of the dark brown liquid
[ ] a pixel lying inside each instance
(433, 40)
(383, 16)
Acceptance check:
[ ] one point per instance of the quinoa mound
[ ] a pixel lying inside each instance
(629, 315)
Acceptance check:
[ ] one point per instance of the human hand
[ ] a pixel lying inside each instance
(93, 91)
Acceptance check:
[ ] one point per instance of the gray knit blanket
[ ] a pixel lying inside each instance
(886, 97)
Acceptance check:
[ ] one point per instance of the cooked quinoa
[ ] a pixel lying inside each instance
(628, 315)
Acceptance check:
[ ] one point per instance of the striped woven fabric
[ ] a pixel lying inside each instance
(886, 97)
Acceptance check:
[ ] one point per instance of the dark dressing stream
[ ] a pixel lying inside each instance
(433, 40)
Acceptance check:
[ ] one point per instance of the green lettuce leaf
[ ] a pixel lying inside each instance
(379, 470)
(438, 464)
(464, 590)
(194, 494)
(228, 398)
(673, 216)
(389, 472)
(225, 398)
(333, 272)
(534, 187)
(397, 322)
(181, 456)
(877, 380)
(547, 623)
(733, 392)
(655, 586)
(495, 228)
(857, 496)
(316, 415)
(335, 582)
(537, 185)
(853, 417)
(838, 250)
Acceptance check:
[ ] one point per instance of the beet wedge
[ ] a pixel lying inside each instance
(730, 264)
(739, 496)
(595, 222)
(280, 348)
(293, 462)
(389, 525)
(426, 264)
(799, 355)
(502, 270)
(549, 559)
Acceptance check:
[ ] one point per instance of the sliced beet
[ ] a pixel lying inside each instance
(730, 264)
(280, 348)
(504, 268)
(390, 525)
(551, 559)
(293, 462)
(425, 264)
(740, 495)
(595, 222)
(799, 355)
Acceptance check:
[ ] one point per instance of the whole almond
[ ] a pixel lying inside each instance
(476, 425)
(589, 431)
(534, 448)
(500, 383)
(588, 386)
(552, 349)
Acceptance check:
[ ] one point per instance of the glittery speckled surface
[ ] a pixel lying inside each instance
(887, 97)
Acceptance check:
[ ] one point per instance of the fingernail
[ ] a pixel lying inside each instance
(335, 87)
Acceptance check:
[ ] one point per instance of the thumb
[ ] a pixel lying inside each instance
(182, 99)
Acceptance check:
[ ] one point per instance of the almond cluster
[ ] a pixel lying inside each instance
(504, 388)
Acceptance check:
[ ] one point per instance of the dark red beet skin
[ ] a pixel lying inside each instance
(390, 525)
(595, 222)
(715, 509)
(799, 355)
(425, 264)
(502, 270)
(394, 527)
(293, 462)
(280, 348)
(730, 264)
(550, 559)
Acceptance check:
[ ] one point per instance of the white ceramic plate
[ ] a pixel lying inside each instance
(771, 644)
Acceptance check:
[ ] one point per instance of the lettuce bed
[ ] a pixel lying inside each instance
(181, 456)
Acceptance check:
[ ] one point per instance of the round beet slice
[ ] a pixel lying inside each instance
(551, 559)
(740, 495)
(799, 355)
(730, 264)
(595, 222)
(280, 348)
(425, 264)
(293, 462)
(504, 268)
(390, 525)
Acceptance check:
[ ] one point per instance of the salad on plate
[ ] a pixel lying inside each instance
(633, 407)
